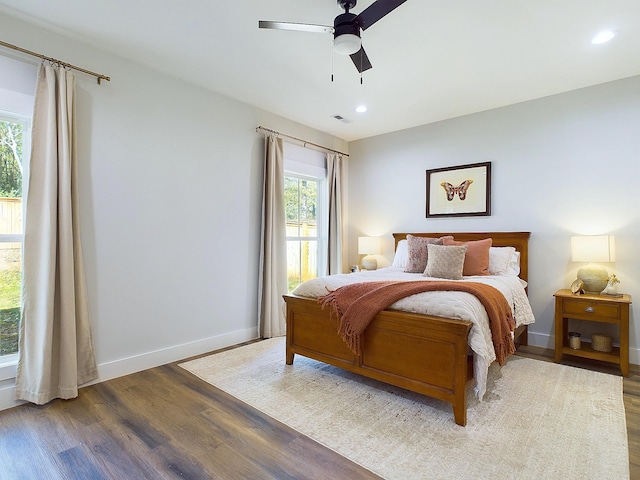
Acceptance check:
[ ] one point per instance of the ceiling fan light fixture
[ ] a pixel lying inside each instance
(347, 44)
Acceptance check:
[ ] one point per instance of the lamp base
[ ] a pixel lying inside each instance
(370, 263)
(594, 277)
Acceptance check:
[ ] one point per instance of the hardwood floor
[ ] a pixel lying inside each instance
(165, 423)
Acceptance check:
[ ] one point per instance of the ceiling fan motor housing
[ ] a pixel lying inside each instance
(344, 24)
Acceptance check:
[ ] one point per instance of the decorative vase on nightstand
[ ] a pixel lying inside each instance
(594, 278)
(612, 286)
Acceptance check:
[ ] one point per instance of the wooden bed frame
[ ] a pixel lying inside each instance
(421, 353)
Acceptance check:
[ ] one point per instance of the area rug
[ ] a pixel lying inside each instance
(538, 419)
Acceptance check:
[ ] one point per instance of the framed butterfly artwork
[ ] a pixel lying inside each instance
(460, 191)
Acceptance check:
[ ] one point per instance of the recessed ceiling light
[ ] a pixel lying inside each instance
(603, 37)
(361, 109)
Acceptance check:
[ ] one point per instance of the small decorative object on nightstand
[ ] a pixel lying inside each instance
(574, 340)
(612, 286)
(576, 287)
(592, 308)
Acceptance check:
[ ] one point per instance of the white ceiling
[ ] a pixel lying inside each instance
(432, 60)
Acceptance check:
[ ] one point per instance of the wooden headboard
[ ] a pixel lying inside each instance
(519, 240)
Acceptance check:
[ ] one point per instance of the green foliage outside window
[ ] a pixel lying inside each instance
(301, 204)
(300, 197)
(11, 134)
(10, 164)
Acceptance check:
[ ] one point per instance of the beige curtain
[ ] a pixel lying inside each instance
(273, 243)
(56, 349)
(334, 180)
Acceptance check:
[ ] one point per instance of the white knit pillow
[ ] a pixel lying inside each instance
(400, 257)
(500, 259)
(445, 261)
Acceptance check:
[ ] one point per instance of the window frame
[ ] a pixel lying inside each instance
(310, 172)
(8, 362)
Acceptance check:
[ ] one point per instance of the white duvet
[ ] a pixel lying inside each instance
(459, 305)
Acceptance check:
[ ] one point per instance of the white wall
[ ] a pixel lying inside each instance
(170, 195)
(562, 165)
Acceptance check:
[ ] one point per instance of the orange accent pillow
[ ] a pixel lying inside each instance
(476, 261)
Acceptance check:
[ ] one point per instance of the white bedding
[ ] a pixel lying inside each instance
(459, 305)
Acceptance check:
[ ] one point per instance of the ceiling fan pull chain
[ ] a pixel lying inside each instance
(332, 57)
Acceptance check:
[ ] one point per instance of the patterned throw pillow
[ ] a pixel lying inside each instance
(445, 261)
(418, 253)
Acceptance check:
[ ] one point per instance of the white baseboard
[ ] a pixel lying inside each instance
(540, 340)
(6, 396)
(137, 363)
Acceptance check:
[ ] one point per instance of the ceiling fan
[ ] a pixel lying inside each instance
(346, 28)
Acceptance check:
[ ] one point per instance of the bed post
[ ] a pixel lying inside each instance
(289, 342)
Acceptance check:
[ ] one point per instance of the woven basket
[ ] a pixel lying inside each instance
(601, 342)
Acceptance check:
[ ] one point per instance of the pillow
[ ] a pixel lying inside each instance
(445, 262)
(514, 264)
(417, 256)
(400, 257)
(499, 259)
(476, 261)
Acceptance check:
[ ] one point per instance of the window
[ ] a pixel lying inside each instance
(14, 146)
(303, 234)
(304, 192)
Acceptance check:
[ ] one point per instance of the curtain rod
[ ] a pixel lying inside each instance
(56, 61)
(304, 142)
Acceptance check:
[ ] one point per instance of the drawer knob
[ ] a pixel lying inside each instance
(589, 309)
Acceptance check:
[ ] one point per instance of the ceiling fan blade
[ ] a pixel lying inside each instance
(299, 27)
(360, 60)
(376, 11)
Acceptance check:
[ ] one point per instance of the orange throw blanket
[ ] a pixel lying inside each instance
(357, 304)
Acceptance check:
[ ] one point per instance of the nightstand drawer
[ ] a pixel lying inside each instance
(586, 309)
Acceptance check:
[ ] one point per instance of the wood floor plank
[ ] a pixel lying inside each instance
(80, 465)
(165, 423)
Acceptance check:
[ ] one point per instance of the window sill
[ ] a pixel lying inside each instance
(8, 365)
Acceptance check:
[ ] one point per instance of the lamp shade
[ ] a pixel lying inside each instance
(593, 248)
(368, 245)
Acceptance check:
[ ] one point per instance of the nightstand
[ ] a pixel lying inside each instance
(593, 308)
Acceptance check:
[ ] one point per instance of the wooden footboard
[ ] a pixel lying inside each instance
(421, 353)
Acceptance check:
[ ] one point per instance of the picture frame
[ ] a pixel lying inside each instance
(459, 191)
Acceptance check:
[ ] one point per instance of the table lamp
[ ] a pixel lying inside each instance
(593, 249)
(369, 246)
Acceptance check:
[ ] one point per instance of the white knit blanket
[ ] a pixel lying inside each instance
(458, 305)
